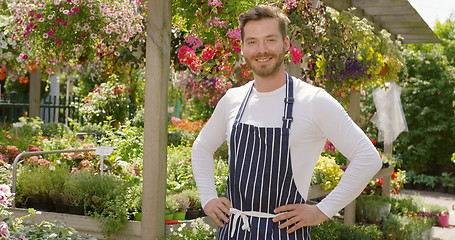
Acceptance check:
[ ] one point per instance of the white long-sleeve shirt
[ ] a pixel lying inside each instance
(317, 117)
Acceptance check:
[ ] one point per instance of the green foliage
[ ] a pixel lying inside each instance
(365, 212)
(193, 196)
(427, 98)
(107, 100)
(334, 229)
(54, 129)
(406, 227)
(34, 182)
(327, 173)
(179, 171)
(128, 143)
(41, 231)
(197, 230)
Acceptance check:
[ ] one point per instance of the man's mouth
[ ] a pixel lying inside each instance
(263, 59)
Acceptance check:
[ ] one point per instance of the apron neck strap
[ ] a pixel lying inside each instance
(288, 101)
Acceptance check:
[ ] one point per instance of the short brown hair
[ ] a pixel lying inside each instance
(263, 11)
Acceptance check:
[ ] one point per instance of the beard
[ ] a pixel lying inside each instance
(269, 69)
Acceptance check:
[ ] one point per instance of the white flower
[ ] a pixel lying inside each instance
(41, 20)
(65, 12)
(118, 31)
(86, 27)
(93, 35)
(3, 44)
(89, 5)
(61, 9)
(92, 18)
(108, 31)
(45, 35)
(76, 2)
(57, 2)
(116, 53)
(92, 11)
(50, 17)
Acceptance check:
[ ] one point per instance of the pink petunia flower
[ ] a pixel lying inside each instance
(65, 24)
(75, 10)
(83, 35)
(50, 33)
(5, 189)
(4, 232)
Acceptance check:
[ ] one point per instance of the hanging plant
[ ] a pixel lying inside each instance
(61, 33)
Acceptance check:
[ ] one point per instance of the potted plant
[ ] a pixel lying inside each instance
(194, 208)
(183, 202)
(372, 209)
(171, 207)
(34, 184)
(445, 179)
(58, 178)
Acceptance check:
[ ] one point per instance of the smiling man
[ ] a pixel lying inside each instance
(276, 127)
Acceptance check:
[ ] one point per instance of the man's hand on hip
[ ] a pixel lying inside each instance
(218, 209)
(299, 215)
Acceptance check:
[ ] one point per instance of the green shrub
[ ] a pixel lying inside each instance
(334, 229)
(372, 209)
(402, 205)
(193, 196)
(52, 129)
(405, 227)
(179, 171)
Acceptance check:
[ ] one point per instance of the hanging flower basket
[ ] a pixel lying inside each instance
(384, 70)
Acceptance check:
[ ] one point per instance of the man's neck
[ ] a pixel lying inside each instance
(270, 83)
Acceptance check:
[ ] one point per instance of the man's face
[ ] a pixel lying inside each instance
(263, 47)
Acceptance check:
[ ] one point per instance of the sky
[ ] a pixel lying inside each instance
(433, 10)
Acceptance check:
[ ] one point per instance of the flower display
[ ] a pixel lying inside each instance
(59, 33)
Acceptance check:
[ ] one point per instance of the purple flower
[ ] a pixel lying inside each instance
(83, 35)
(75, 10)
(39, 15)
(65, 24)
(50, 33)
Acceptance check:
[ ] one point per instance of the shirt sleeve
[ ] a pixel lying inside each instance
(335, 124)
(210, 138)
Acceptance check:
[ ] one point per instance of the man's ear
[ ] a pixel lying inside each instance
(287, 43)
(241, 47)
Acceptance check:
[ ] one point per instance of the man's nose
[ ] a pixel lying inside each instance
(262, 47)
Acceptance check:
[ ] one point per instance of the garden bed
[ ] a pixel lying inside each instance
(83, 224)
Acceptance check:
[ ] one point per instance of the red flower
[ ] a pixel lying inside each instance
(373, 141)
(394, 175)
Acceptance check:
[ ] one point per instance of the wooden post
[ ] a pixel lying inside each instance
(35, 92)
(354, 113)
(155, 118)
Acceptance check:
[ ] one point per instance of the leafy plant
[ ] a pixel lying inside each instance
(327, 173)
(334, 229)
(406, 227)
(197, 229)
(366, 212)
(179, 171)
(107, 100)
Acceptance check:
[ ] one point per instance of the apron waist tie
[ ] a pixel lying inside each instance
(246, 225)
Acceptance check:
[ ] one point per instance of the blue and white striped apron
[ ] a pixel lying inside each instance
(260, 178)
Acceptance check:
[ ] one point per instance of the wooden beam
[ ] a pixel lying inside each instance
(155, 119)
(379, 3)
(35, 94)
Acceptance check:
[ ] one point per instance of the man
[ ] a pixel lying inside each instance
(276, 127)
